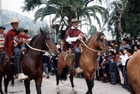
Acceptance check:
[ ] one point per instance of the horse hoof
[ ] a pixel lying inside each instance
(74, 92)
(58, 92)
(12, 84)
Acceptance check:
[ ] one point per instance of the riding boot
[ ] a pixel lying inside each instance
(17, 54)
(77, 68)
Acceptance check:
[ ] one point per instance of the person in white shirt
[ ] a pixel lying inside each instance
(72, 40)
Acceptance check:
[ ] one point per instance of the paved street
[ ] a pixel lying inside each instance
(49, 87)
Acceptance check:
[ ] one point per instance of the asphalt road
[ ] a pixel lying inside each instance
(49, 87)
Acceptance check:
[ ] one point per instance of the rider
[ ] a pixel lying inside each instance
(11, 50)
(2, 38)
(72, 41)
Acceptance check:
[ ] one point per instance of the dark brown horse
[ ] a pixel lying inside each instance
(32, 61)
(7, 71)
(88, 62)
(133, 69)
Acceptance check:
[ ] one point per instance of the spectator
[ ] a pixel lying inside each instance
(104, 67)
(99, 71)
(112, 70)
(119, 65)
(129, 54)
(2, 38)
(45, 60)
(124, 45)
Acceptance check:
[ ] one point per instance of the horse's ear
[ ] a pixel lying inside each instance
(97, 32)
(41, 31)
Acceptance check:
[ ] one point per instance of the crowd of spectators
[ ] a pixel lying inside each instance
(113, 67)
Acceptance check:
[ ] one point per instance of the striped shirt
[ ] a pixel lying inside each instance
(2, 38)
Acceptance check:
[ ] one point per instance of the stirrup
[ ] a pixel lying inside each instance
(22, 76)
(79, 70)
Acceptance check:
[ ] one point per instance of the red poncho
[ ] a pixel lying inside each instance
(71, 33)
(9, 44)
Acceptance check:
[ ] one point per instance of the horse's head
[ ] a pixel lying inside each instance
(49, 42)
(101, 42)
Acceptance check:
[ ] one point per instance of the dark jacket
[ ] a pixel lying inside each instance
(45, 59)
(112, 66)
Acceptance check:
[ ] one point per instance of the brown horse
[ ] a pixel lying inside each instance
(88, 62)
(133, 69)
(32, 61)
(7, 71)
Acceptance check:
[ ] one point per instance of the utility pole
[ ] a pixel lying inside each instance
(0, 13)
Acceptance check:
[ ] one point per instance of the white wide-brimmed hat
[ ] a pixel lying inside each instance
(13, 20)
(75, 20)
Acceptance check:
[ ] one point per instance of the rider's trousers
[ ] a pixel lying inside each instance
(77, 56)
(17, 54)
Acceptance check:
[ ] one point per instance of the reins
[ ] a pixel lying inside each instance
(88, 47)
(44, 51)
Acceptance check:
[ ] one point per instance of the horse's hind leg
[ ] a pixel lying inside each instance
(71, 80)
(90, 84)
(1, 92)
(27, 86)
(6, 82)
(57, 80)
(38, 85)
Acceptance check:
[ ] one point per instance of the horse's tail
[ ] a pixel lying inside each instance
(130, 86)
(64, 73)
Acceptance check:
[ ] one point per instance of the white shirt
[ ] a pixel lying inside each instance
(124, 59)
(71, 39)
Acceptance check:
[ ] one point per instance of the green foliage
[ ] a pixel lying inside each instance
(92, 30)
(132, 18)
(67, 9)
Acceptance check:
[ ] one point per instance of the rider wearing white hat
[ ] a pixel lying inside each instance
(11, 50)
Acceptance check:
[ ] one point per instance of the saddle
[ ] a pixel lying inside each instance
(9, 58)
(69, 57)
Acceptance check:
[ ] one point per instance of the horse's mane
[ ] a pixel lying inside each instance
(100, 33)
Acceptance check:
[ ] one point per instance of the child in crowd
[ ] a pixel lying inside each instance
(2, 38)
(20, 37)
(104, 66)
(119, 65)
(112, 70)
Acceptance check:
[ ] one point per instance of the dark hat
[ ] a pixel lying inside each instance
(130, 51)
(21, 29)
(1, 27)
(74, 20)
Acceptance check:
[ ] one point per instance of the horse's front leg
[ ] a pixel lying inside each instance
(27, 86)
(1, 75)
(38, 82)
(12, 81)
(6, 82)
(71, 80)
(90, 84)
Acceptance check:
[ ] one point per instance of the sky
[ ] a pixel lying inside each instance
(15, 5)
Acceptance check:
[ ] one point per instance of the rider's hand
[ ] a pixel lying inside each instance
(16, 43)
(24, 39)
(79, 37)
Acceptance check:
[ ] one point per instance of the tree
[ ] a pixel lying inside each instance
(132, 18)
(65, 10)
(92, 30)
(121, 11)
